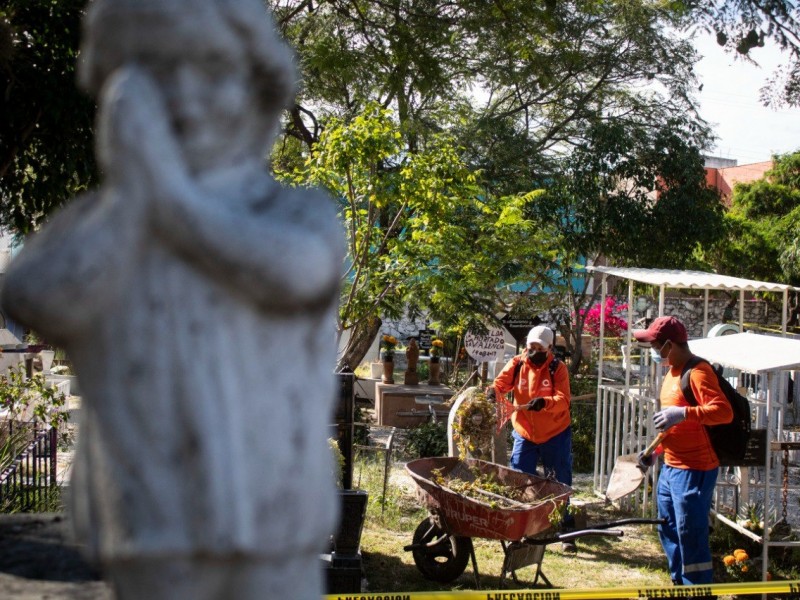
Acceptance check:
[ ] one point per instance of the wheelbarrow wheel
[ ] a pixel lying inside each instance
(439, 556)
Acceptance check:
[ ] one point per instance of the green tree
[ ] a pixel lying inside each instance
(518, 86)
(633, 197)
(762, 227)
(488, 99)
(517, 82)
(45, 122)
(423, 234)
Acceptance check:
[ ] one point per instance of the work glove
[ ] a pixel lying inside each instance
(491, 394)
(644, 462)
(669, 417)
(536, 404)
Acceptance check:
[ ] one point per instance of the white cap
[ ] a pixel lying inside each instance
(541, 335)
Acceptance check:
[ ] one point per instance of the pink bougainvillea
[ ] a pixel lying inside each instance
(615, 325)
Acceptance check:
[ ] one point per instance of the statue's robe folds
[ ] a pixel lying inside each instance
(205, 356)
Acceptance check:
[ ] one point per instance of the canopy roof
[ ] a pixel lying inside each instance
(690, 279)
(750, 352)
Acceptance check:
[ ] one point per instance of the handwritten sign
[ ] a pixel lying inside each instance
(519, 327)
(426, 338)
(485, 347)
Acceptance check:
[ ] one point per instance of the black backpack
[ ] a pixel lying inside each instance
(729, 440)
(551, 367)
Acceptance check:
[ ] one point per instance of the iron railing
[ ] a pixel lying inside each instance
(28, 481)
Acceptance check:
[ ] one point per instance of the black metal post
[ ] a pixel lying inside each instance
(345, 416)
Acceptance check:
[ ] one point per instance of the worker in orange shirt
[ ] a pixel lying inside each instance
(542, 430)
(686, 483)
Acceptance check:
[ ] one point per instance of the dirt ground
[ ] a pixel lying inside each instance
(38, 560)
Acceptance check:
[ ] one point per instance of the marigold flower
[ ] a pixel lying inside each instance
(740, 555)
(745, 568)
(729, 560)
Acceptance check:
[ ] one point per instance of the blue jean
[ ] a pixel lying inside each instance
(684, 500)
(556, 457)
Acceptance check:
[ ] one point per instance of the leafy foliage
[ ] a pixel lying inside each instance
(414, 224)
(19, 393)
(438, 124)
(584, 418)
(633, 196)
(45, 122)
(762, 228)
(428, 439)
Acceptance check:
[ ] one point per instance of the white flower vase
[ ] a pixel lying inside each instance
(47, 357)
(376, 370)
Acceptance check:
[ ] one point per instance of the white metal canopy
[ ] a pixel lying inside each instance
(750, 352)
(698, 280)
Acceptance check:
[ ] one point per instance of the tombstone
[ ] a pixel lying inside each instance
(178, 289)
(426, 340)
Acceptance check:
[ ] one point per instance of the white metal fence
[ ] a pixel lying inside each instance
(624, 426)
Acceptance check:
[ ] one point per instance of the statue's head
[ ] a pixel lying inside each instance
(224, 72)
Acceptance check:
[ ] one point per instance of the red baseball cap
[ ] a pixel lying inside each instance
(663, 329)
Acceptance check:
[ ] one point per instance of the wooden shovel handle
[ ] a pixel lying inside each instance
(654, 444)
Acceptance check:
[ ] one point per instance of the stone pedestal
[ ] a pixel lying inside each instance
(388, 372)
(398, 405)
(434, 370)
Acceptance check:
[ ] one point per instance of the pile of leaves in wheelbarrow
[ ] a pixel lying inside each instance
(486, 488)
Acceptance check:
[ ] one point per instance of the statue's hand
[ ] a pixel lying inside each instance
(136, 145)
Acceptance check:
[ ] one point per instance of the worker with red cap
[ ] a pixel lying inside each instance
(686, 482)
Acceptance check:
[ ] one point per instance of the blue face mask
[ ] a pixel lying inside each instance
(655, 356)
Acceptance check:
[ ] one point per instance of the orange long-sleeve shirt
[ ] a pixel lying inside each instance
(686, 445)
(531, 383)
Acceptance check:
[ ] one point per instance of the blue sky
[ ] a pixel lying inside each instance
(747, 131)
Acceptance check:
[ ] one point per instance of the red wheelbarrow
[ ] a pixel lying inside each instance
(442, 543)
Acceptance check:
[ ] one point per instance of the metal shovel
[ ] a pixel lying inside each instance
(626, 477)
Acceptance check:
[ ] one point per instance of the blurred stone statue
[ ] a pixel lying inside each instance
(202, 471)
(412, 358)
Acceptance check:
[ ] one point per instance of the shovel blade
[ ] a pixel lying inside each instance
(626, 477)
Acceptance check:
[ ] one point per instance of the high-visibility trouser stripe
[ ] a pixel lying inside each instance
(694, 568)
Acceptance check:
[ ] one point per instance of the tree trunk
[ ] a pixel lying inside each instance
(361, 338)
(576, 355)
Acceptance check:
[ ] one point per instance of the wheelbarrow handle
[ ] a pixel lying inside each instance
(601, 529)
(573, 535)
(632, 521)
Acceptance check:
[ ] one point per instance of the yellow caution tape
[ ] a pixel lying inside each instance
(688, 591)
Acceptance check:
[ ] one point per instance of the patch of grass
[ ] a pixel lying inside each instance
(33, 500)
(399, 511)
